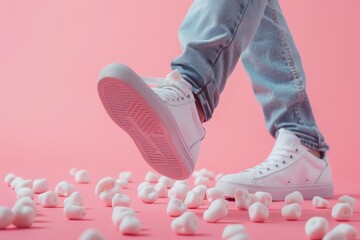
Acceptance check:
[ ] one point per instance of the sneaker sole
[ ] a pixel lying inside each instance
(134, 107)
(279, 193)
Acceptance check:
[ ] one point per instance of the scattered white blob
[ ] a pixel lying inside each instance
(92, 234)
(186, 224)
(64, 189)
(200, 190)
(349, 200)
(316, 227)
(342, 211)
(130, 225)
(151, 177)
(264, 197)
(167, 181)
(106, 188)
(346, 230)
(258, 212)
(242, 199)
(106, 197)
(6, 217)
(74, 198)
(234, 231)
(181, 183)
(217, 210)
(320, 202)
(253, 198)
(119, 213)
(48, 199)
(178, 191)
(294, 197)
(161, 190)
(202, 181)
(142, 185)
(9, 178)
(106, 184)
(127, 175)
(24, 184)
(120, 200)
(24, 192)
(25, 201)
(218, 176)
(291, 211)
(16, 181)
(203, 173)
(175, 207)
(331, 235)
(74, 212)
(148, 194)
(24, 216)
(193, 200)
(122, 182)
(214, 193)
(40, 185)
(82, 176)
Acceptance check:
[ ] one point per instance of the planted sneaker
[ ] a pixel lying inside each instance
(289, 167)
(162, 120)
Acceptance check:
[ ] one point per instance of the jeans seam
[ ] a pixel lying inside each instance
(290, 62)
(232, 37)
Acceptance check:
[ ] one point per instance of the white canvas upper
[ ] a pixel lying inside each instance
(289, 167)
(159, 114)
(178, 98)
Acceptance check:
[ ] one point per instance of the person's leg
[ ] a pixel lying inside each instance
(164, 121)
(278, 80)
(213, 35)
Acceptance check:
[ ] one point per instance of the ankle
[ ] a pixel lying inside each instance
(316, 153)
(199, 109)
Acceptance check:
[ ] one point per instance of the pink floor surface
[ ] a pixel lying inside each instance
(51, 223)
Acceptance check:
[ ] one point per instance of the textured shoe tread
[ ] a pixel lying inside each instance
(137, 117)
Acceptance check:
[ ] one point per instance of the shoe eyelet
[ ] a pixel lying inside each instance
(268, 169)
(182, 98)
(288, 181)
(277, 165)
(188, 96)
(284, 162)
(296, 150)
(291, 156)
(307, 180)
(261, 172)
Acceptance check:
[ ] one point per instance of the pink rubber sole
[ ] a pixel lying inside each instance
(138, 111)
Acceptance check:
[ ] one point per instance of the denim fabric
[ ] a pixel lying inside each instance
(215, 34)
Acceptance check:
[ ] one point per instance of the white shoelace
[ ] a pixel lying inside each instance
(277, 156)
(169, 89)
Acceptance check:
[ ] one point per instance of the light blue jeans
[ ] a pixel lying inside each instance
(216, 33)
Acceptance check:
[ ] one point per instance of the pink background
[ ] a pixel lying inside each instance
(51, 117)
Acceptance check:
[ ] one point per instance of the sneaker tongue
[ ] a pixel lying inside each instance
(285, 137)
(175, 77)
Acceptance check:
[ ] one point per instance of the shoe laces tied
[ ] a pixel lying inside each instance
(279, 155)
(172, 88)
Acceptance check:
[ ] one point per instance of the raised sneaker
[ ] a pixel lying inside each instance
(160, 116)
(289, 167)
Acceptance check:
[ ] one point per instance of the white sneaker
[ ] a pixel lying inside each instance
(289, 167)
(162, 121)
